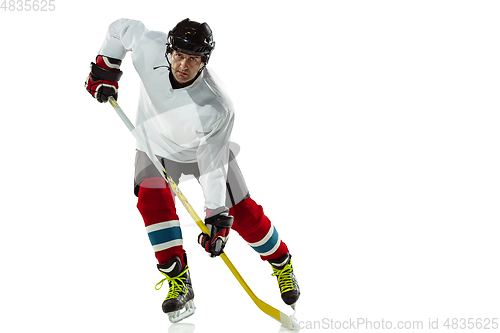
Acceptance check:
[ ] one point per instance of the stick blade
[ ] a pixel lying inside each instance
(289, 322)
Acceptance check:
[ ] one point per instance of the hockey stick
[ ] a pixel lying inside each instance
(144, 145)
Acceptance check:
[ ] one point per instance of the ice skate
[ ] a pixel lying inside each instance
(283, 270)
(179, 303)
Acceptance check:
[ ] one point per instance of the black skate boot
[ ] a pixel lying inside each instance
(180, 293)
(287, 282)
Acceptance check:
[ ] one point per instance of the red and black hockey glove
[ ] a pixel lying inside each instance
(218, 225)
(102, 81)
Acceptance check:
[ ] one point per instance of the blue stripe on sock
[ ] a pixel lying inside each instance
(165, 235)
(271, 242)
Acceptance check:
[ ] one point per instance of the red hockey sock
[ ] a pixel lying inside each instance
(157, 207)
(257, 230)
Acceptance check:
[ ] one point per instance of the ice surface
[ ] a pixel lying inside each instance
(181, 328)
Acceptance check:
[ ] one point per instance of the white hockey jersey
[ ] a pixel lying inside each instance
(186, 125)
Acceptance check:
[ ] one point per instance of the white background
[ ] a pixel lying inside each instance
(369, 133)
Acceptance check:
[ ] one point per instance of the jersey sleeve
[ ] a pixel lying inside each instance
(213, 159)
(123, 36)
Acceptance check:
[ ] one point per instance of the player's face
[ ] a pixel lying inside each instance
(185, 66)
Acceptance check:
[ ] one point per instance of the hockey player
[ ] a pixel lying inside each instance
(188, 118)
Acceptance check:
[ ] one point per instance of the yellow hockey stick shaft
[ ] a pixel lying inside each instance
(266, 308)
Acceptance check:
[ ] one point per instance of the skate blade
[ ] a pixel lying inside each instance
(177, 316)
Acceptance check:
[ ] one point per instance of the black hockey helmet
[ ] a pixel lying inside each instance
(192, 38)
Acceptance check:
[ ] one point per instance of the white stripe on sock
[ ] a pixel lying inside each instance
(162, 225)
(265, 239)
(268, 253)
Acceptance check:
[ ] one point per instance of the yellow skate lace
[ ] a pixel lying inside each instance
(284, 275)
(176, 285)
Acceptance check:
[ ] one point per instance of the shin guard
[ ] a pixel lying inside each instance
(157, 207)
(257, 230)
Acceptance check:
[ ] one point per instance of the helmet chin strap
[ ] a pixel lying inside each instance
(168, 56)
(202, 68)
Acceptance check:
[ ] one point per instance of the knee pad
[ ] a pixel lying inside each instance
(156, 202)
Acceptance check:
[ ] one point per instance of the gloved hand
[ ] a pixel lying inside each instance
(102, 81)
(218, 225)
